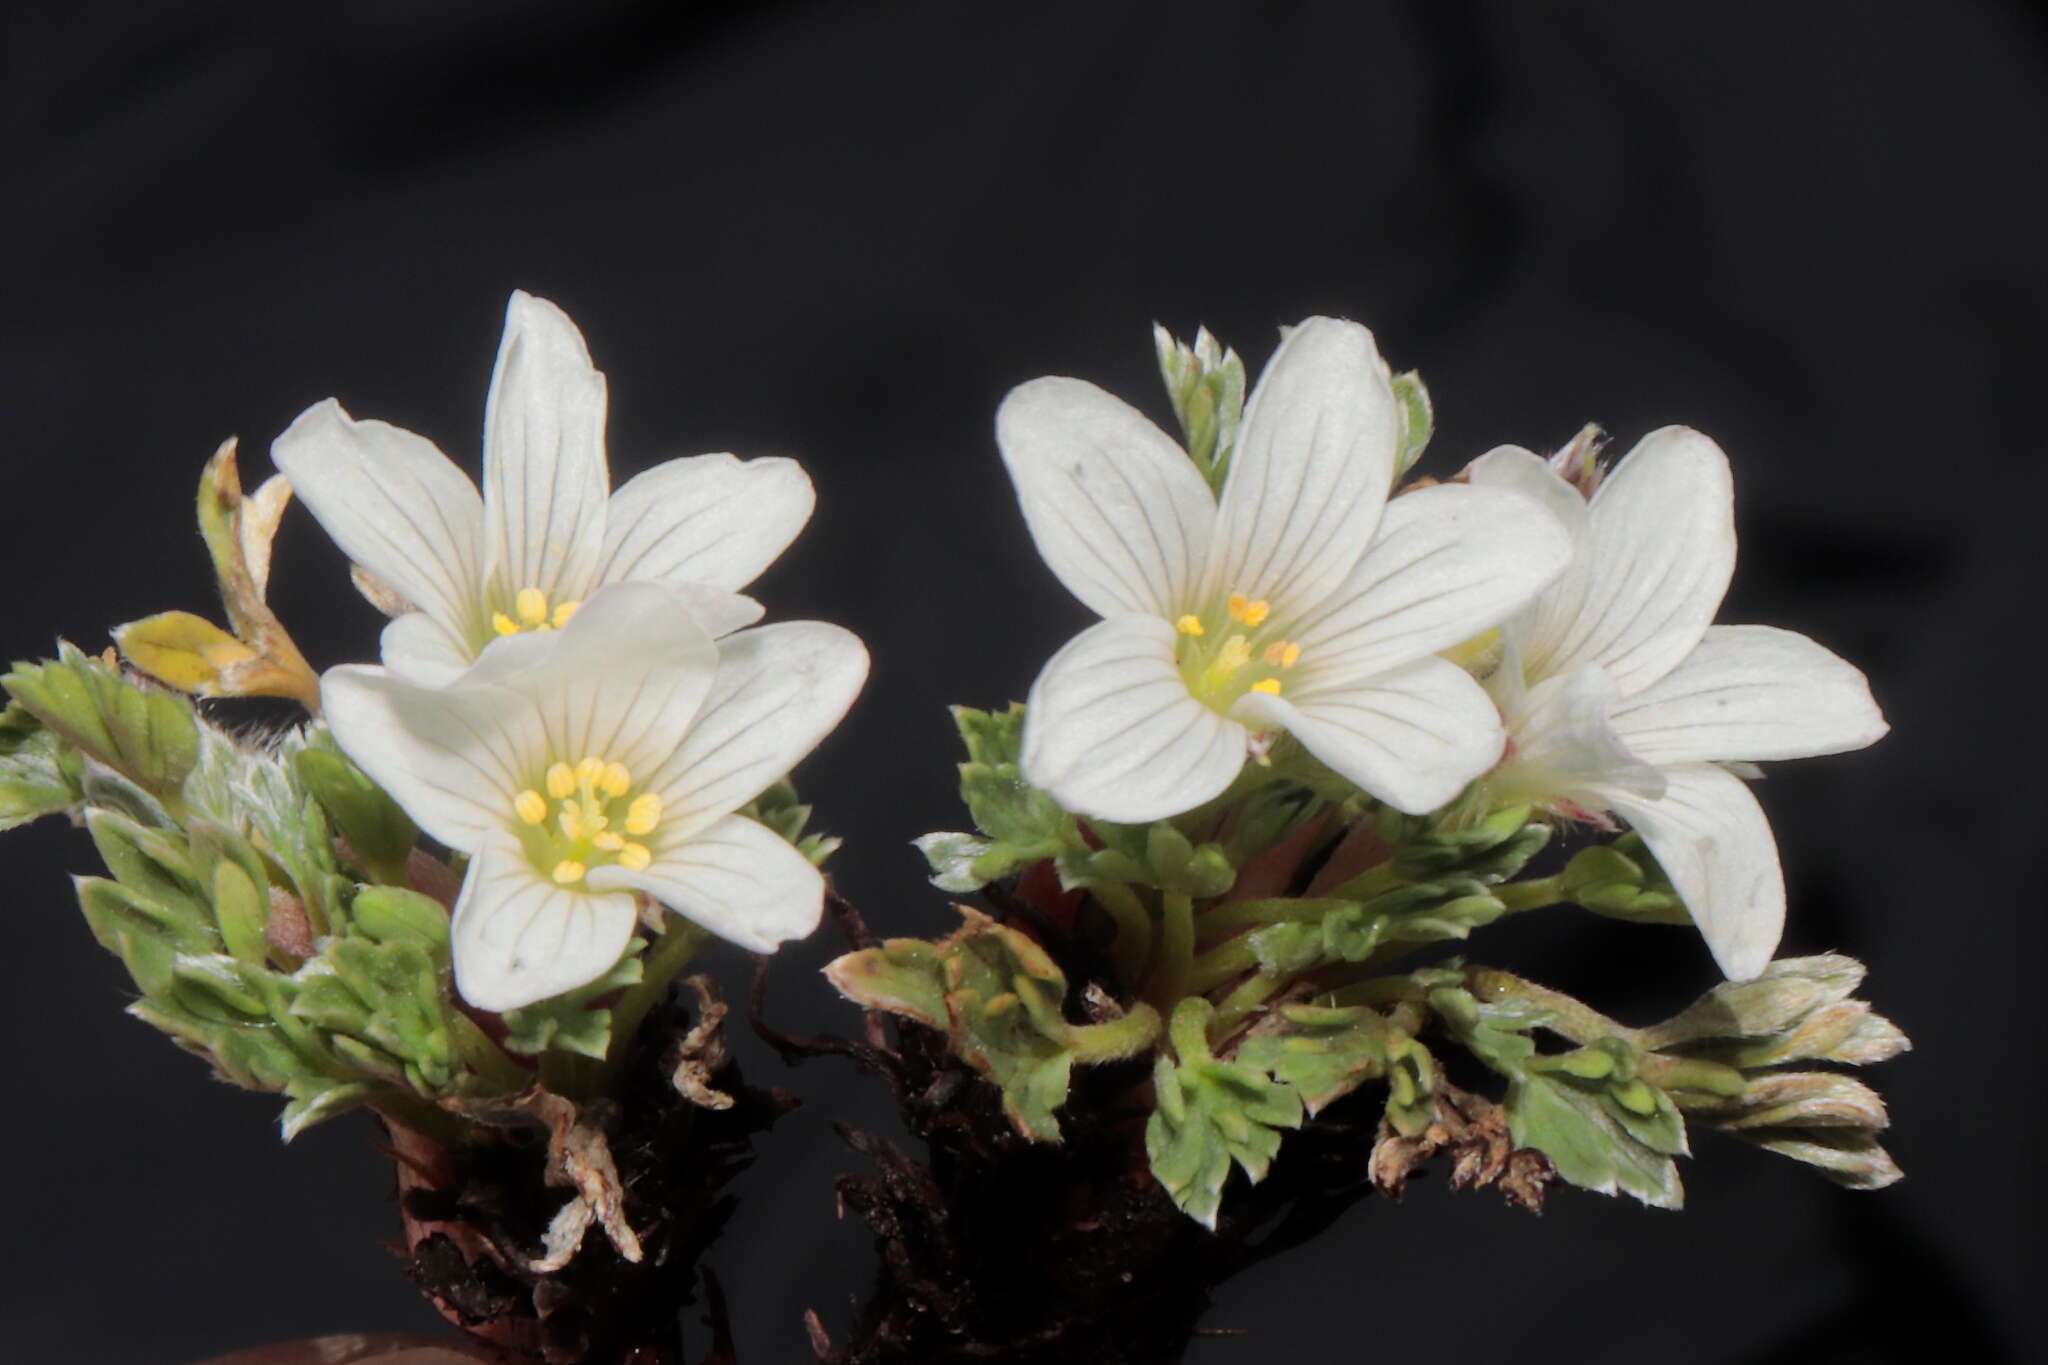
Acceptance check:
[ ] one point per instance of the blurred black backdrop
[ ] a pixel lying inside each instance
(842, 232)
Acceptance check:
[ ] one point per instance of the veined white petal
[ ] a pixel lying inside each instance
(517, 937)
(1752, 693)
(1116, 508)
(1111, 730)
(718, 611)
(1515, 469)
(735, 878)
(420, 649)
(1712, 840)
(1310, 474)
(623, 680)
(705, 519)
(393, 503)
(1412, 737)
(1446, 564)
(545, 482)
(1564, 743)
(780, 689)
(453, 757)
(1651, 568)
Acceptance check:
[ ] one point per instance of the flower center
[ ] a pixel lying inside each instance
(531, 610)
(1235, 657)
(586, 816)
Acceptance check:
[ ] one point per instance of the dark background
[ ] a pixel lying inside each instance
(842, 232)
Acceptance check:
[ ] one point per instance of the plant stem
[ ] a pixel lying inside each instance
(1221, 963)
(670, 952)
(1133, 945)
(1248, 995)
(485, 1057)
(1176, 958)
(1225, 919)
(1581, 1023)
(1114, 1039)
(1690, 1073)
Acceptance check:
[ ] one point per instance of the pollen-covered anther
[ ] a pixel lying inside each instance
(1267, 685)
(1252, 613)
(1190, 624)
(644, 814)
(530, 806)
(531, 610)
(561, 780)
(531, 606)
(568, 871)
(636, 857)
(1285, 653)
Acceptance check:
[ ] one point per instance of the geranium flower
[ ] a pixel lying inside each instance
(581, 767)
(1301, 600)
(1622, 699)
(547, 531)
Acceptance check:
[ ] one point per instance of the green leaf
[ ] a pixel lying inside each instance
(33, 780)
(902, 976)
(385, 995)
(146, 733)
(1209, 1115)
(1587, 1144)
(952, 857)
(1418, 420)
(316, 1099)
(781, 812)
(392, 914)
(1323, 1053)
(573, 1021)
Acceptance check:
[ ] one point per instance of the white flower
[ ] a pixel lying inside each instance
(1621, 698)
(1301, 600)
(547, 531)
(580, 766)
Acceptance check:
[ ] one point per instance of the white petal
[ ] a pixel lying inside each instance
(1752, 693)
(623, 680)
(394, 504)
(1565, 743)
(518, 938)
(1413, 737)
(1651, 568)
(1518, 470)
(545, 482)
(1112, 731)
(1712, 840)
(1446, 564)
(719, 612)
(1117, 509)
(735, 878)
(420, 649)
(705, 519)
(780, 689)
(454, 758)
(1314, 459)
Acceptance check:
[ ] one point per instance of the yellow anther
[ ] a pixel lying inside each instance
(530, 806)
(1255, 613)
(532, 606)
(588, 770)
(1283, 653)
(615, 780)
(1290, 656)
(609, 841)
(1190, 625)
(1267, 685)
(1237, 606)
(561, 781)
(636, 857)
(644, 814)
(504, 624)
(569, 870)
(563, 613)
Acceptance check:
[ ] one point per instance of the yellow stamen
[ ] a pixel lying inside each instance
(636, 857)
(1255, 613)
(504, 624)
(561, 781)
(530, 806)
(644, 814)
(532, 606)
(615, 780)
(1238, 605)
(609, 841)
(588, 770)
(1190, 625)
(568, 870)
(563, 613)
(1267, 685)
(1290, 656)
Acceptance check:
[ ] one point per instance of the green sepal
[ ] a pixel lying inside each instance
(573, 1021)
(35, 777)
(1494, 849)
(360, 811)
(1210, 1114)
(1205, 383)
(1418, 420)
(146, 733)
(1622, 881)
(1798, 1009)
